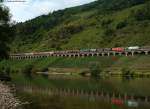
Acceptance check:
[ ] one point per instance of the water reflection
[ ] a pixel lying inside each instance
(127, 78)
(44, 101)
(77, 93)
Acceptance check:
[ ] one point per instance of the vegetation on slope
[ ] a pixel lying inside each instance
(103, 23)
(108, 64)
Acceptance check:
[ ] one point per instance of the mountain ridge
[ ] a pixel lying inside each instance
(103, 23)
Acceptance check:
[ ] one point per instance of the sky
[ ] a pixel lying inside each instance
(22, 11)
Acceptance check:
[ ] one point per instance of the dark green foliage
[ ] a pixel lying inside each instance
(127, 72)
(6, 32)
(119, 4)
(121, 24)
(143, 13)
(5, 73)
(27, 70)
(84, 73)
(95, 70)
(44, 69)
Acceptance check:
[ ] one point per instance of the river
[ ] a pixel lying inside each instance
(64, 92)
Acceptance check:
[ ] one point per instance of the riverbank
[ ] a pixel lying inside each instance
(8, 100)
(138, 64)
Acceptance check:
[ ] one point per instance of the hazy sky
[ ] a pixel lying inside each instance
(22, 11)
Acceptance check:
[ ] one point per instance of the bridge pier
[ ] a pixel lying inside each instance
(146, 99)
(114, 53)
(126, 53)
(120, 54)
(103, 54)
(88, 55)
(74, 55)
(146, 52)
(70, 55)
(97, 54)
(102, 94)
(108, 54)
(82, 55)
(132, 53)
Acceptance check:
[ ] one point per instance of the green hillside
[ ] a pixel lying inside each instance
(103, 23)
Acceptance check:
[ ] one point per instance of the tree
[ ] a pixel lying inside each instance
(7, 31)
(121, 24)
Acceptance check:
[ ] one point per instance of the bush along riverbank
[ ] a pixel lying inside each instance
(8, 100)
(109, 65)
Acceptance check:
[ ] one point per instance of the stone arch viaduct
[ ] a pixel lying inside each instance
(78, 54)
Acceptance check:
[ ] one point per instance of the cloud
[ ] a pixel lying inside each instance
(22, 11)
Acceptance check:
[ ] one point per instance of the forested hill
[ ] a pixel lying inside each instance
(103, 23)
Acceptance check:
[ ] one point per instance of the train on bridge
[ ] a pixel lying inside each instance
(80, 52)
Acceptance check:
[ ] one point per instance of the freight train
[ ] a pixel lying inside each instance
(116, 49)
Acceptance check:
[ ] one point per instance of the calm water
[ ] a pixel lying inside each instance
(78, 93)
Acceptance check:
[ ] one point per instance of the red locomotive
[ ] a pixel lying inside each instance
(118, 49)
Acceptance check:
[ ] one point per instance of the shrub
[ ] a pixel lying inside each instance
(5, 70)
(27, 70)
(45, 69)
(106, 22)
(109, 32)
(121, 24)
(5, 73)
(127, 72)
(95, 70)
(84, 73)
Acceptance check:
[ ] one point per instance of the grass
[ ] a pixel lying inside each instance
(137, 63)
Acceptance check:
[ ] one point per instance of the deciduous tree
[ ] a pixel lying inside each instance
(7, 31)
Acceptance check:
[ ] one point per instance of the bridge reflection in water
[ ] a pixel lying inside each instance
(90, 95)
(108, 91)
